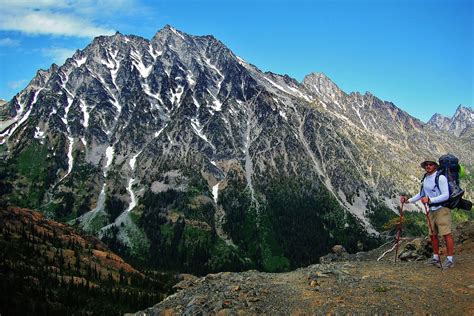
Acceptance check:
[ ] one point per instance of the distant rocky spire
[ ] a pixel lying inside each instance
(458, 124)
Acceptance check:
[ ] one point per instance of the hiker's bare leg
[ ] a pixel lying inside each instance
(449, 244)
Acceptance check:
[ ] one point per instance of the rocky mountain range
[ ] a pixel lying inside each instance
(461, 124)
(178, 152)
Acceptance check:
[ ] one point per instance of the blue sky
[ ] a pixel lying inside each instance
(417, 54)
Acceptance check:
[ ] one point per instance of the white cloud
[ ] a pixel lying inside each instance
(8, 42)
(51, 23)
(58, 54)
(37, 3)
(17, 84)
(59, 17)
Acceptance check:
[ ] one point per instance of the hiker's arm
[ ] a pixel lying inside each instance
(415, 198)
(443, 187)
(405, 199)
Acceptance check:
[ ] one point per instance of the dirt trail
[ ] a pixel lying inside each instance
(336, 288)
(388, 287)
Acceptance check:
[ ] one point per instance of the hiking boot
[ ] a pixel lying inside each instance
(432, 262)
(448, 264)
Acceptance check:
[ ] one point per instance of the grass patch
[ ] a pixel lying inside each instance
(29, 173)
(32, 162)
(459, 216)
(166, 231)
(382, 289)
(99, 220)
(49, 209)
(139, 243)
(136, 215)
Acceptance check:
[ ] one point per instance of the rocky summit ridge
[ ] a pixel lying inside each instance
(460, 124)
(177, 144)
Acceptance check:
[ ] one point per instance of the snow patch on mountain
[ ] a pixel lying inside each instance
(38, 133)
(139, 65)
(176, 95)
(154, 54)
(133, 200)
(70, 160)
(109, 154)
(81, 61)
(177, 33)
(5, 135)
(215, 192)
(85, 112)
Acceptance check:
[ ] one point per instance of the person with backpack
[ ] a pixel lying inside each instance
(434, 191)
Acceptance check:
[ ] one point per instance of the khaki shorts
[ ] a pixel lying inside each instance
(441, 221)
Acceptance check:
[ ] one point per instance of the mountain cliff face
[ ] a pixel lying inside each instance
(179, 152)
(461, 124)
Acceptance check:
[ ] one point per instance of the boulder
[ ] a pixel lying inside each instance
(417, 249)
(339, 253)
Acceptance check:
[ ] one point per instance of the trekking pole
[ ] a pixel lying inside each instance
(399, 232)
(432, 235)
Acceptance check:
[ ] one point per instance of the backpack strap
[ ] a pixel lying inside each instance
(437, 179)
(421, 187)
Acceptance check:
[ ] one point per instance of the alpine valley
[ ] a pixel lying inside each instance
(181, 155)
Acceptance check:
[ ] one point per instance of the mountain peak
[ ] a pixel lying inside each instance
(458, 124)
(460, 106)
(439, 121)
(317, 76)
(438, 116)
(463, 109)
(321, 84)
(168, 31)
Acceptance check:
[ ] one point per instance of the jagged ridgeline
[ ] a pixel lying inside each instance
(180, 154)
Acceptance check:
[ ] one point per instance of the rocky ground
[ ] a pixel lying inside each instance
(356, 284)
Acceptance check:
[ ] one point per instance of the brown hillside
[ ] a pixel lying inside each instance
(49, 268)
(46, 233)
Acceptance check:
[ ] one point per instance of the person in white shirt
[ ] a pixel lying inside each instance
(440, 216)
